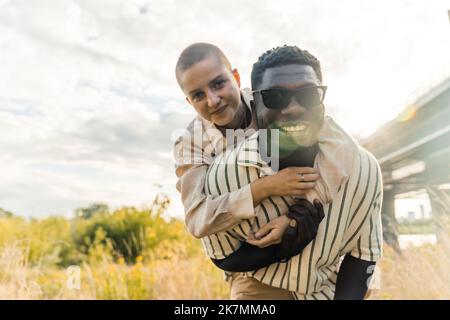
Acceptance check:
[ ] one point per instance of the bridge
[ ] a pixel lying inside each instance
(414, 153)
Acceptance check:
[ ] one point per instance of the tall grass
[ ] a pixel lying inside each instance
(125, 254)
(418, 272)
(163, 261)
(187, 278)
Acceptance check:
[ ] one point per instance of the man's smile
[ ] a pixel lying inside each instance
(299, 126)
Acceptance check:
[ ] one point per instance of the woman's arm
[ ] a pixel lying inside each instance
(297, 230)
(207, 214)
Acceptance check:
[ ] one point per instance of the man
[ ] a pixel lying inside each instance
(211, 86)
(288, 95)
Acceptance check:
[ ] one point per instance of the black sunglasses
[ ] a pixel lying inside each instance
(307, 97)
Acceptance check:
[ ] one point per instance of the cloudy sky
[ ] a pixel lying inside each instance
(89, 104)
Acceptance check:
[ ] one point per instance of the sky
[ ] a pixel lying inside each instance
(89, 104)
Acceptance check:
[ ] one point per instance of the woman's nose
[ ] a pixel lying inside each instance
(213, 99)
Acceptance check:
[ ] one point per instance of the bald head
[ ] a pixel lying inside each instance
(197, 52)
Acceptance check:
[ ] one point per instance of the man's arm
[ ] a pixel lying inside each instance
(248, 258)
(353, 278)
(359, 264)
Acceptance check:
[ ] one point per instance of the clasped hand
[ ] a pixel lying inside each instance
(293, 232)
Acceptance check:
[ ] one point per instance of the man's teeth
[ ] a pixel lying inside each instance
(300, 127)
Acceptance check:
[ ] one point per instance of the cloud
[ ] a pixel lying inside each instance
(89, 101)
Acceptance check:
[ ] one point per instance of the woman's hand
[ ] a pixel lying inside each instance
(270, 233)
(291, 181)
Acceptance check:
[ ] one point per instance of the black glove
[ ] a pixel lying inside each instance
(305, 221)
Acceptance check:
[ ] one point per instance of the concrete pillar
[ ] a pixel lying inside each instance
(390, 233)
(440, 207)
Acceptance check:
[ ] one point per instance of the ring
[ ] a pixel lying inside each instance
(302, 177)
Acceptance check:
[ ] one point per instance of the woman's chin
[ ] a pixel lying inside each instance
(222, 120)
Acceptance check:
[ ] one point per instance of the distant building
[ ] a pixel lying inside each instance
(414, 207)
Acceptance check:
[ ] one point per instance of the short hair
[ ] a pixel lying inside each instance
(195, 53)
(281, 56)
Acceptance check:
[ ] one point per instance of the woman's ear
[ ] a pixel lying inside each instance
(236, 76)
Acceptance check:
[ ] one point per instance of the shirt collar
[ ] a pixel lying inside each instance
(335, 158)
(213, 134)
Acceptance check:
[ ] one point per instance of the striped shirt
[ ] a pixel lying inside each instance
(194, 151)
(202, 141)
(352, 222)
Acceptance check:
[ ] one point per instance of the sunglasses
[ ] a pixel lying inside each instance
(307, 97)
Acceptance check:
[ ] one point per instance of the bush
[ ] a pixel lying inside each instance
(96, 234)
(422, 226)
(129, 233)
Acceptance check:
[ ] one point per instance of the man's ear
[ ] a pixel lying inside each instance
(236, 76)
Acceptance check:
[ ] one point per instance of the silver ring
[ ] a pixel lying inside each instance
(302, 177)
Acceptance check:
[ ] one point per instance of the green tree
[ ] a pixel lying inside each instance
(92, 210)
(5, 214)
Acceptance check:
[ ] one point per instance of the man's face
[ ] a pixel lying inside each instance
(212, 89)
(298, 125)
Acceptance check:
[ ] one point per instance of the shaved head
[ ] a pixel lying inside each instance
(197, 52)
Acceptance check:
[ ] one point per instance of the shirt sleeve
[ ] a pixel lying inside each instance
(369, 246)
(205, 214)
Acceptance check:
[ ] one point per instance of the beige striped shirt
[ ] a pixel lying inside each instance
(193, 152)
(352, 222)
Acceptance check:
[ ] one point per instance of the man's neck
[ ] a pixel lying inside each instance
(302, 157)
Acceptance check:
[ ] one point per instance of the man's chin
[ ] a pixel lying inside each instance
(296, 140)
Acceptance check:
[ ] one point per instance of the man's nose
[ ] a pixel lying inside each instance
(213, 99)
(294, 108)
